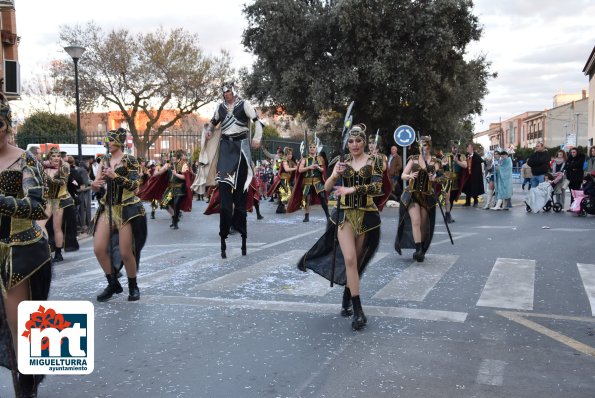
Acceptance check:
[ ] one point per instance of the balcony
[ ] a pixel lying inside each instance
(9, 38)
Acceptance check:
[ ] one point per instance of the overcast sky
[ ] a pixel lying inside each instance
(537, 47)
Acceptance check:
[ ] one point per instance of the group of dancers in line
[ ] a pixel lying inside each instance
(29, 194)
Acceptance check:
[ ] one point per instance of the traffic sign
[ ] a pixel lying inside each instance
(404, 135)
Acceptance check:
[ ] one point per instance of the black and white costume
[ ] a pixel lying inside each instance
(234, 171)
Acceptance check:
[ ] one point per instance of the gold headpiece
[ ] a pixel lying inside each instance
(118, 136)
(359, 130)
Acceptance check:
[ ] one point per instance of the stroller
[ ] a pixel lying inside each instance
(584, 199)
(542, 198)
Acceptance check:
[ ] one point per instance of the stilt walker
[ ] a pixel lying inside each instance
(234, 169)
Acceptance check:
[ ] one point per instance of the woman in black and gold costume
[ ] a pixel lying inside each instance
(25, 262)
(121, 172)
(358, 231)
(283, 184)
(175, 193)
(417, 213)
(55, 175)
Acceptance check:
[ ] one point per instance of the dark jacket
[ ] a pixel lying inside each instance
(574, 170)
(539, 162)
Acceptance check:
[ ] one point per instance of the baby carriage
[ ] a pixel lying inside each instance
(542, 198)
(584, 199)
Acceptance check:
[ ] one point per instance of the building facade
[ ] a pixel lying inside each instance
(9, 58)
(589, 70)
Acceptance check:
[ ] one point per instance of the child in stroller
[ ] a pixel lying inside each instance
(542, 197)
(584, 199)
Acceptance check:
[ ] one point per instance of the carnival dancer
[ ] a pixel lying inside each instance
(122, 211)
(171, 187)
(454, 165)
(25, 263)
(359, 180)
(234, 171)
(473, 185)
(374, 142)
(283, 183)
(276, 161)
(417, 212)
(309, 184)
(56, 174)
(178, 195)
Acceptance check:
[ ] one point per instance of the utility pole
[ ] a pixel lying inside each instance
(576, 143)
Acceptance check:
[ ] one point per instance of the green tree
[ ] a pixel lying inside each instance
(269, 132)
(142, 74)
(44, 127)
(402, 61)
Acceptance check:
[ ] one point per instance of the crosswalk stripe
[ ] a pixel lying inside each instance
(587, 272)
(491, 372)
(510, 285)
(317, 286)
(97, 272)
(417, 280)
(309, 308)
(234, 279)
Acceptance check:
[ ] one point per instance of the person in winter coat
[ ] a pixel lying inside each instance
(574, 170)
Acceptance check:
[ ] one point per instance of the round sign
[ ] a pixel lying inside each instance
(404, 135)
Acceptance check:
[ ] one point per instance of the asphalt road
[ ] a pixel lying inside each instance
(507, 311)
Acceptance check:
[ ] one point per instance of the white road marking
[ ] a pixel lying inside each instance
(317, 286)
(234, 279)
(510, 285)
(310, 308)
(417, 280)
(98, 272)
(587, 272)
(491, 372)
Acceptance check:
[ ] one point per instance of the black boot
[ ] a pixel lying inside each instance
(152, 214)
(175, 223)
(243, 246)
(280, 208)
(307, 217)
(359, 319)
(29, 384)
(223, 248)
(133, 291)
(257, 208)
(172, 222)
(113, 287)
(419, 252)
(346, 310)
(58, 255)
(449, 218)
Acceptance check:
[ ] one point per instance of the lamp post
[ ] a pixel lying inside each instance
(75, 53)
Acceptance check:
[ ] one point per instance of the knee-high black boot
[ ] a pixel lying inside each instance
(419, 254)
(359, 319)
(346, 310)
(244, 251)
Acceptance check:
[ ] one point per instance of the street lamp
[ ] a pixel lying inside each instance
(76, 52)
